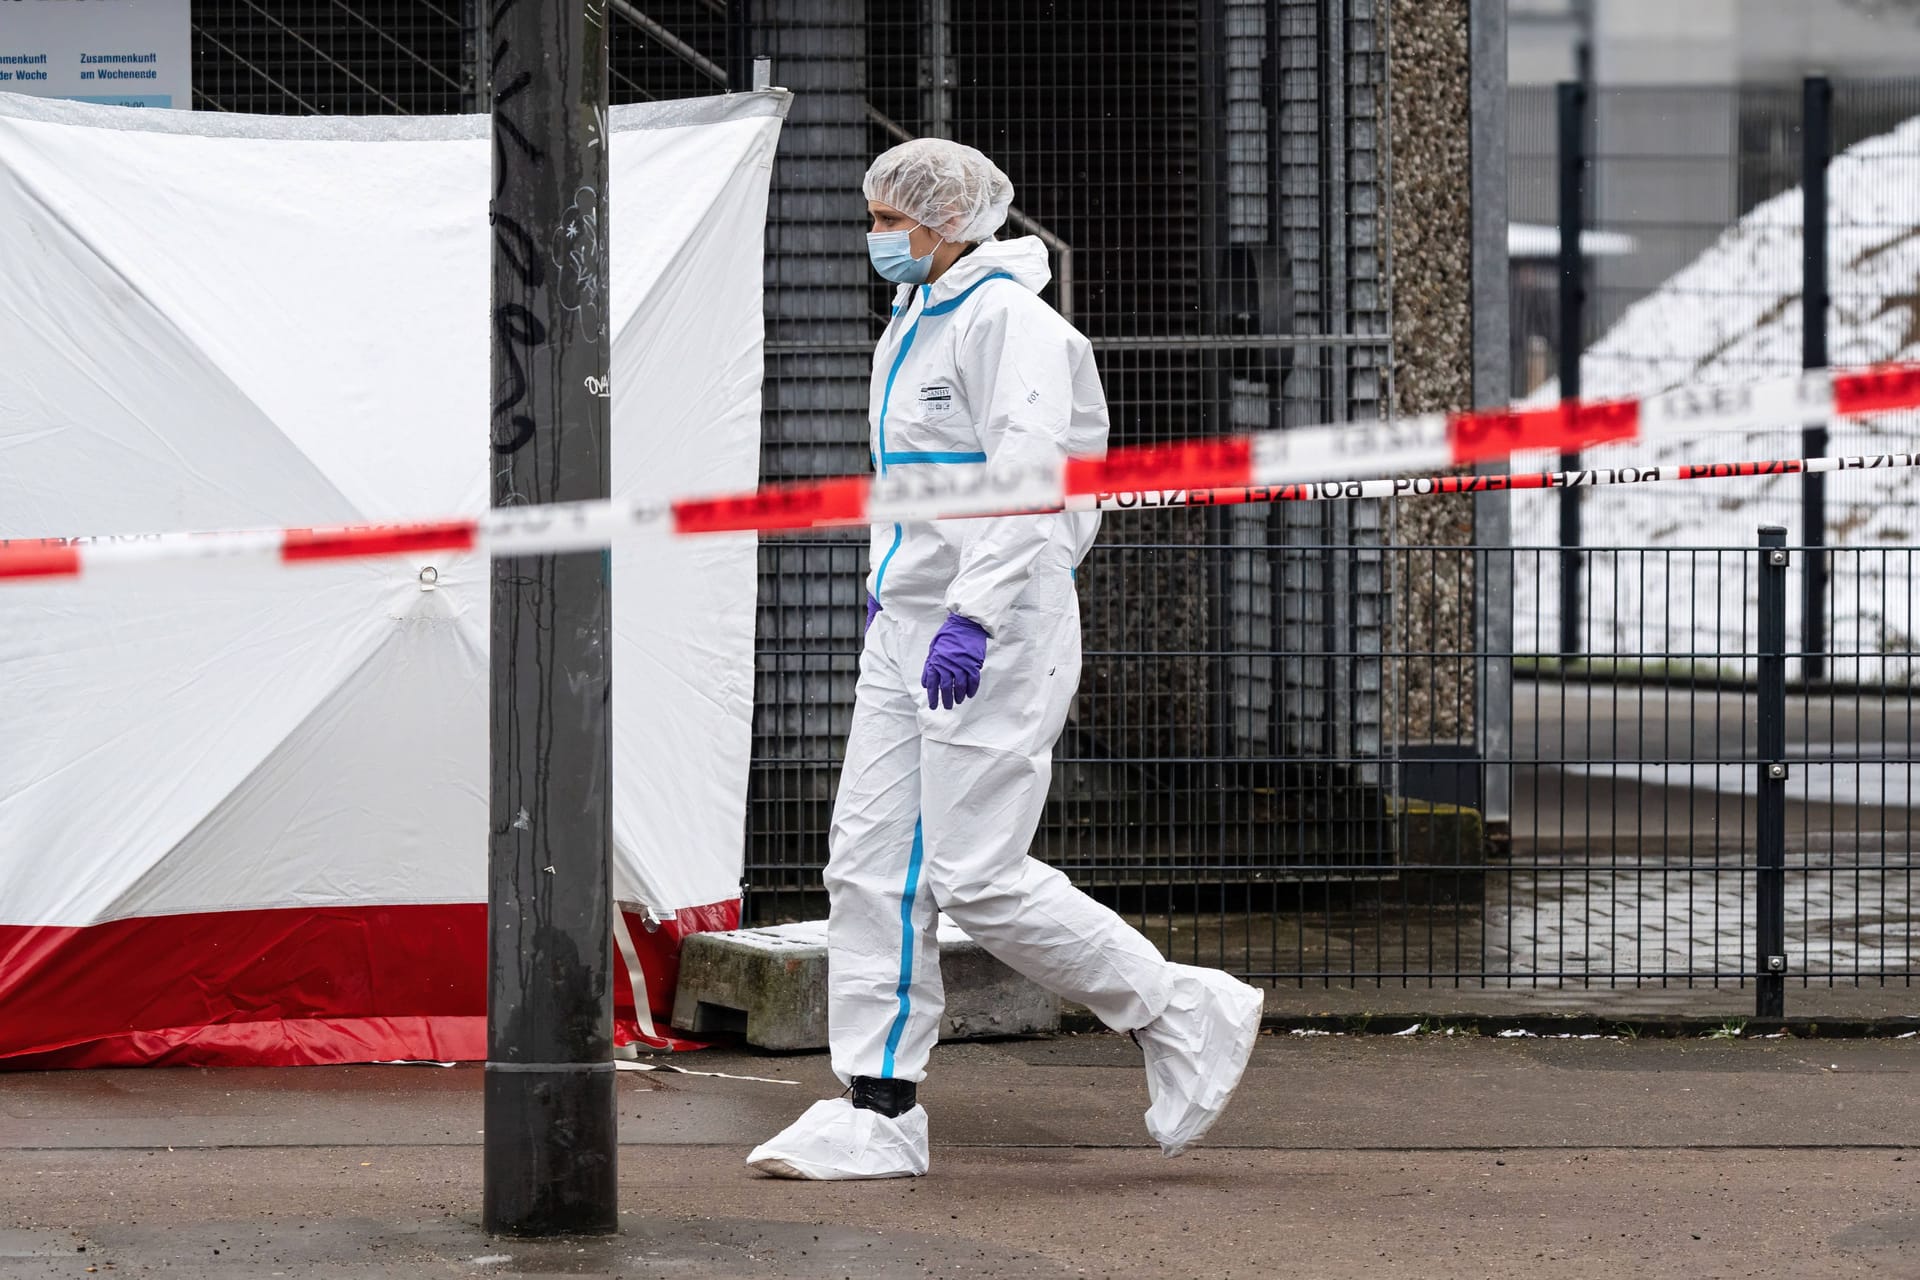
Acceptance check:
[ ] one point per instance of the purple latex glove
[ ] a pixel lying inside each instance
(952, 673)
(873, 611)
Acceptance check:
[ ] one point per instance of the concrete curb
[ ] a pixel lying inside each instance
(1544, 1026)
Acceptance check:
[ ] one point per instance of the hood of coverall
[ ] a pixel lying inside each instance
(1025, 259)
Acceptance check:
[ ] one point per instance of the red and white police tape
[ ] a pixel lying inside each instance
(1426, 486)
(1304, 464)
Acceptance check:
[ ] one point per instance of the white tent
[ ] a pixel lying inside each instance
(243, 810)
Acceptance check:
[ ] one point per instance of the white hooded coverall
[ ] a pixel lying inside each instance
(938, 808)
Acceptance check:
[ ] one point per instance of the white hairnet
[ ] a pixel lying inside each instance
(944, 185)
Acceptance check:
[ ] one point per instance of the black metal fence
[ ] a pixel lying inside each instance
(1695, 825)
(1691, 810)
(1209, 180)
(1708, 216)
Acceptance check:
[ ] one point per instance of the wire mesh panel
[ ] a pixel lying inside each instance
(1635, 823)
(326, 57)
(824, 310)
(1668, 173)
(1694, 279)
(1873, 314)
(1633, 850)
(1533, 237)
(1631, 876)
(1856, 804)
(423, 57)
(1206, 178)
(1695, 262)
(667, 49)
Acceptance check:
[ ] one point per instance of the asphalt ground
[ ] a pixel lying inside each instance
(1342, 1156)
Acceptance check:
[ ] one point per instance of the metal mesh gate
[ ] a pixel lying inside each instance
(1208, 178)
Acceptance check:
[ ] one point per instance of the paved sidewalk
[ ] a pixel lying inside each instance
(1342, 1157)
(1647, 1008)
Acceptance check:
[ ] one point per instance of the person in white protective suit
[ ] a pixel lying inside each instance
(971, 659)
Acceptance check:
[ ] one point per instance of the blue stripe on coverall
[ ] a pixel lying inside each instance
(907, 896)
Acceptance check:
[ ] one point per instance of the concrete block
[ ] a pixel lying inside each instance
(770, 985)
(1443, 857)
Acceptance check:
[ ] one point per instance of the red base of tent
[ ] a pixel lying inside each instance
(291, 987)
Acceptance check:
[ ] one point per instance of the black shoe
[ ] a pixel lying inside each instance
(888, 1097)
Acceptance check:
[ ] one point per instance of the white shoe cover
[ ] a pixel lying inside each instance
(1196, 1052)
(835, 1139)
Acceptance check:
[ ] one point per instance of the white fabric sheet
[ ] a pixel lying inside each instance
(255, 322)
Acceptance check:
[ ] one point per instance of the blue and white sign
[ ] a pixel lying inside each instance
(129, 53)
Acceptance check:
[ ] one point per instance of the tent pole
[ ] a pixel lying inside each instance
(550, 1118)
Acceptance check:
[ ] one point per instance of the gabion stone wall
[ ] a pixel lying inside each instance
(1433, 355)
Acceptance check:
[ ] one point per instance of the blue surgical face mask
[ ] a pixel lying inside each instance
(892, 256)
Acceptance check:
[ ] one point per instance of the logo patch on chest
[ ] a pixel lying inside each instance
(936, 399)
